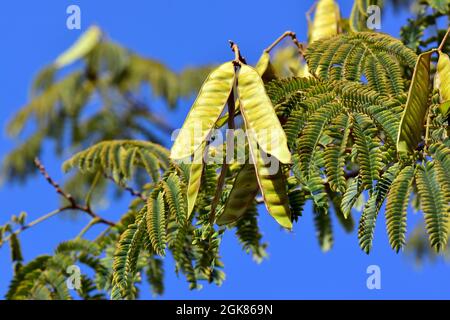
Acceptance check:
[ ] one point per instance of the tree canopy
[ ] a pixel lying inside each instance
(353, 120)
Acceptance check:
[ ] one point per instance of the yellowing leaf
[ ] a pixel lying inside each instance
(80, 48)
(259, 115)
(243, 193)
(272, 186)
(265, 68)
(195, 178)
(411, 124)
(205, 111)
(263, 62)
(326, 20)
(443, 73)
(445, 108)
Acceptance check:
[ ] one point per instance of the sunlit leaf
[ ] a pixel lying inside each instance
(412, 122)
(80, 48)
(205, 111)
(259, 115)
(326, 20)
(443, 73)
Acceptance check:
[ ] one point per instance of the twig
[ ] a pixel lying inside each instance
(37, 221)
(444, 40)
(427, 130)
(133, 192)
(83, 231)
(73, 203)
(238, 58)
(294, 39)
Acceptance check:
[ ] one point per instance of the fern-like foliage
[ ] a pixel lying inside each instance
(397, 203)
(339, 118)
(44, 277)
(434, 198)
(119, 158)
(362, 56)
(105, 96)
(249, 235)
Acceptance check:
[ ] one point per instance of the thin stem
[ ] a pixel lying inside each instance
(238, 58)
(133, 192)
(38, 220)
(293, 37)
(91, 189)
(102, 234)
(427, 130)
(91, 223)
(444, 40)
(73, 203)
(53, 183)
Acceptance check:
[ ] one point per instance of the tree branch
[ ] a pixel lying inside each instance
(133, 192)
(238, 58)
(294, 39)
(73, 203)
(444, 40)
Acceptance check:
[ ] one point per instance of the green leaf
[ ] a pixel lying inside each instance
(259, 115)
(80, 48)
(324, 231)
(205, 111)
(411, 124)
(156, 223)
(373, 205)
(368, 151)
(445, 108)
(397, 203)
(175, 198)
(334, 155)
(439, 5)
(16, 251)
(125, 258)
(249, 236)
(351, 195)
(434, 204)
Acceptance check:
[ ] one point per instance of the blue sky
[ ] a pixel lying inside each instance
(183, 33)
